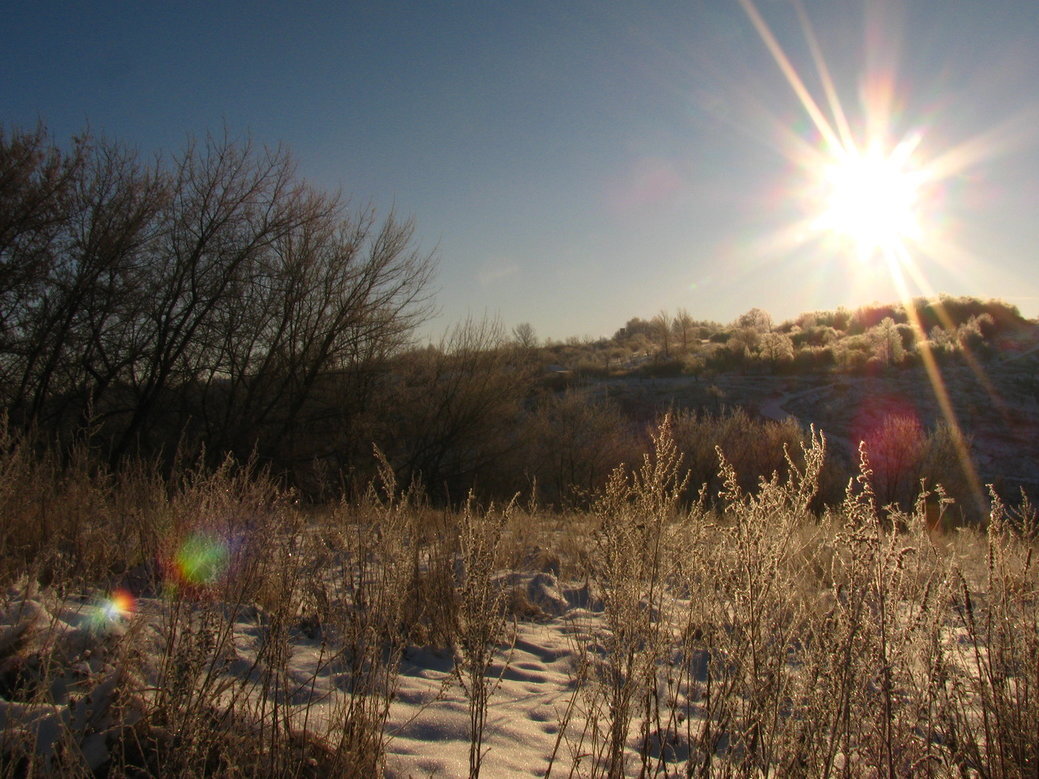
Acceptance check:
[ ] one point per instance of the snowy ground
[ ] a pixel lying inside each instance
(428, 723)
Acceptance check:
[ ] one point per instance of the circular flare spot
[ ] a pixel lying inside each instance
(201, 559)
(113, 610)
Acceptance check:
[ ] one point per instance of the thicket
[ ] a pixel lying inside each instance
(870, 338)
(206, 301)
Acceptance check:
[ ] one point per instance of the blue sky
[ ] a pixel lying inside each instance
(575, 164)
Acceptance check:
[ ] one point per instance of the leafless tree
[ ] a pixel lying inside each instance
(457, 408)
(217, 287)
(574, 442)
(755, 319)
(524, 335)
(776, 348)
(76, 284)
(662, 332)
(682, 325)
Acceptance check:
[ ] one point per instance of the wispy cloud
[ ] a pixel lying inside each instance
(496, 270)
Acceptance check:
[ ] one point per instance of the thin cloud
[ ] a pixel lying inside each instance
(495, 271)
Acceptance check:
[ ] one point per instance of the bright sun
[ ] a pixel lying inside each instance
(877, 198)
(871, 198)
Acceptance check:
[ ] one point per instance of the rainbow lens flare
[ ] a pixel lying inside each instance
(202, 559)
(113, 610)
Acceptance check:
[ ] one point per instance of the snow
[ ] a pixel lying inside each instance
(427, 729)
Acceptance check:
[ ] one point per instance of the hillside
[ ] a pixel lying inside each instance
(987, 373)
(997, 407)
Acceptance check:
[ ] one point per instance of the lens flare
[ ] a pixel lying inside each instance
(878, 192)
(202, 559)
(114, 610)
(871, 197)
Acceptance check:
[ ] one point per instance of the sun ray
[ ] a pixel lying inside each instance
(906, 264)
(934, 375)
(790, 73)
(836, 109)
(1002, 138)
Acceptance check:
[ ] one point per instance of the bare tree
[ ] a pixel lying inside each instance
(574, 442)
(337, 299)
(266, 284)
(755, 319)
(662, 331)
(457, 408)
(682, 325)
(85, 334)
(218, 288)
(776, 348)
(83, 220)
(36, 184)
(524, 335)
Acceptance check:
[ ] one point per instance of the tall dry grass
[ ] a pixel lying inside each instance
(855, 643)
(746, 636)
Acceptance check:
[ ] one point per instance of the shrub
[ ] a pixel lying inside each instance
(662, 368)
(814, 358)
(754, 447)
(571, 443)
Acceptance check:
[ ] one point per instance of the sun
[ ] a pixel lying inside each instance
(871, 198)
(873, 191)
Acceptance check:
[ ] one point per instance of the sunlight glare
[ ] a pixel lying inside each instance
(875, 197)
(871, 197)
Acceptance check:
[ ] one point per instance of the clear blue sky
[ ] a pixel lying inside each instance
(575, 164)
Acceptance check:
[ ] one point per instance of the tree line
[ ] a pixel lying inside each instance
(868, 339)
(211, 302)
(200, 298)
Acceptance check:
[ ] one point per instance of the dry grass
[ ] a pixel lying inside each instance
(754, 638)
